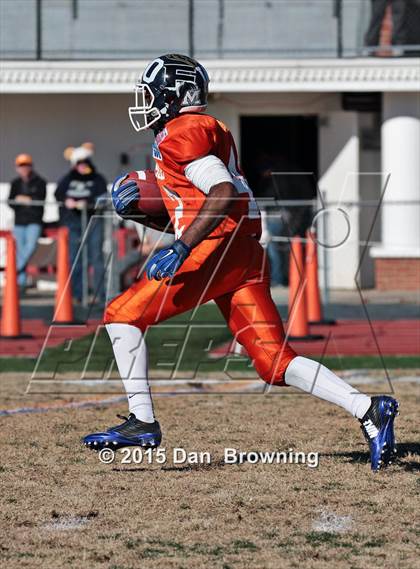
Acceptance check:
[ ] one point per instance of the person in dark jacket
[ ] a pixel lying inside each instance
(399, 21)
(25, 189)
(78, 192)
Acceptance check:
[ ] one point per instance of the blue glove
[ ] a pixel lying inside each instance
(166, 262)
(124, 194)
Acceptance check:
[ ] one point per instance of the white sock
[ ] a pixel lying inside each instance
(131, 355)
(313, 377)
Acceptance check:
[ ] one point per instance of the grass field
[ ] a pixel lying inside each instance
(61, 507)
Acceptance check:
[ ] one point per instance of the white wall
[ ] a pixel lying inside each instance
(44, 125)
(339, 179)
(338, 163)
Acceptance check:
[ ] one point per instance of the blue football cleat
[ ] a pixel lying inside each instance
(378, 428)
(130, 433)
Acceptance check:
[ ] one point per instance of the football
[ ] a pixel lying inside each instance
(150, 202)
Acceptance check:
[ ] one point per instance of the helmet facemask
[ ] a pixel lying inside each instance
(144, 113)
(170, 85)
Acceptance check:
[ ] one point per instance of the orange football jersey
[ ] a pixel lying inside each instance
(185, 139)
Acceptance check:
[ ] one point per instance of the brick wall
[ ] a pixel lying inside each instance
(397, 274)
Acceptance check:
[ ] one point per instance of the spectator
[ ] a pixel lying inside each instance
(79, 190)
(275, 220)
(399, 22)
(25, 189)
(280, 178)
(277, 217)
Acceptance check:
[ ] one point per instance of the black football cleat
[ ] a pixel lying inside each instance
(130, 433)
(378, 428)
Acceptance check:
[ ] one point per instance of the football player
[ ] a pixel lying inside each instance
(216, 255)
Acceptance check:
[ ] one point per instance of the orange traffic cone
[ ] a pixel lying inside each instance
(298, 327)
(63, 313)
(10, 319)
(313, 297)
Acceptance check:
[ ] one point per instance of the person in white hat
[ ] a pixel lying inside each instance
(80, 190)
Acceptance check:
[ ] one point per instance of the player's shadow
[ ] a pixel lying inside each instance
(412, 450)
(403, 450)
(192, 467)
(186, 468)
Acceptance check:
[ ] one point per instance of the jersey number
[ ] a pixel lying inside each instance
(242, 187)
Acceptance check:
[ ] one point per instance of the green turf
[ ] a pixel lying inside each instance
(181, 343)
(27, 365)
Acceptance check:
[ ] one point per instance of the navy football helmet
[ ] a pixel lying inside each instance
(171, 84)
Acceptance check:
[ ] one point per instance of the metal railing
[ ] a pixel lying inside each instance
(141, 29)
(83, 253)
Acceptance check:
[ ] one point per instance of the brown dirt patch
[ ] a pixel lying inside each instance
(62, 507)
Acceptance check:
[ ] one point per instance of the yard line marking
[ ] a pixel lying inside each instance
(70, 405)
(113, 400)
(254, 386)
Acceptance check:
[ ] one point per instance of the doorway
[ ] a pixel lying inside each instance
(283, 144)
